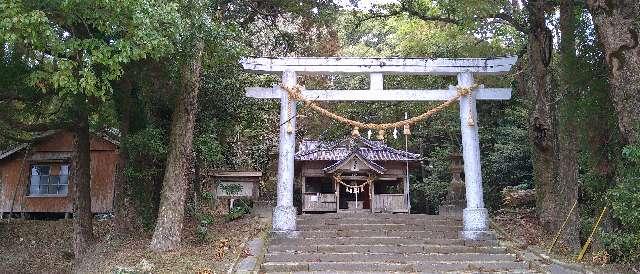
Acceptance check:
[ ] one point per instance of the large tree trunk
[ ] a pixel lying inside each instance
(567, 186)
(617, 27)
(542, 123)
(542, 130)
(125, 215)
(170, 216)
(81, 178)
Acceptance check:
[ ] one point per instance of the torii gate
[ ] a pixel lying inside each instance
(475, 216)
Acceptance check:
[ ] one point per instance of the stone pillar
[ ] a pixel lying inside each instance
(475, 216)
(284, 214)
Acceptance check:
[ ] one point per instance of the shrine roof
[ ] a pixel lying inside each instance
(313, 150)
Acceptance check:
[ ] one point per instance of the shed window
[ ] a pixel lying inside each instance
(49, 179)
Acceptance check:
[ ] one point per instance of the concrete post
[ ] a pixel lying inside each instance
(284, 214)
(475, 216)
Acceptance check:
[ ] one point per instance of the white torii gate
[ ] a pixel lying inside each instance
(475, 216)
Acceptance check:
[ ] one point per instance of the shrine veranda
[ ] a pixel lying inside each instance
(475, 215)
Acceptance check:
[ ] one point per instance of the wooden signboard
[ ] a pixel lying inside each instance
(235, 184)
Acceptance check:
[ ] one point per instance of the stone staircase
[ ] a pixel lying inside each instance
(369, 243)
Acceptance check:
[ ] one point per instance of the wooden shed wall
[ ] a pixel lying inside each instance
(104, 156)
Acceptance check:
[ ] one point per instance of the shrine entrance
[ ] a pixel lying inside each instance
(352, 199)
(465, 94)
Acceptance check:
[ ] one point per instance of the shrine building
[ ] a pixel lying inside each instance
(354, 175)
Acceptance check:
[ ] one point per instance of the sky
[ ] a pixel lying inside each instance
(363, 4)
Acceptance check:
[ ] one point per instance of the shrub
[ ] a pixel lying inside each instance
(624, 200)
(239, 209)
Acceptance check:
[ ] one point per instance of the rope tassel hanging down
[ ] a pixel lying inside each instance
(289, 118)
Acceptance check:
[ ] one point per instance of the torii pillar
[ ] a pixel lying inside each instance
(475, 216)
(284, 214)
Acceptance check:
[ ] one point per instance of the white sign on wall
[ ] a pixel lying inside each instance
(235, 189)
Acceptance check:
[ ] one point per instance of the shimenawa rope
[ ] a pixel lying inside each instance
(295, 93)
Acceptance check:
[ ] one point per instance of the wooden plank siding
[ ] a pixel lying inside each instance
(104, 156)
(319, 202)
(390, 203)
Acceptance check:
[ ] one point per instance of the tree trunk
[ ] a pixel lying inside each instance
(125, 215)
(617, 27)
(171, 213)
(567, 187)
(543, 132)
(81, 178)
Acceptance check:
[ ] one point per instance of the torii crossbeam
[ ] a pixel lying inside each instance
(475, 216)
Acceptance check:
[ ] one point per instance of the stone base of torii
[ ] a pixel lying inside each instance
(475, 215)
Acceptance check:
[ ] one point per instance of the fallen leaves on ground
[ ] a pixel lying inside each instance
(45, 246)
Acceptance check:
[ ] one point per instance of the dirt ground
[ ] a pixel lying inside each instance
(37, 246)
(523, 225)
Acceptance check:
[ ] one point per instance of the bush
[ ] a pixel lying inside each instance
(624, 199)
(239, 209)
(622, 247)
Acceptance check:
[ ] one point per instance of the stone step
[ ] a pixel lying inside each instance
(377, 233)
(392, 248)
(422, 272)
(365, 241)
(379, 222)
(385, 257)
(438, 267)
(373, 216)
(328, 266)
(379, 240)
(399, 227)
(475, 267)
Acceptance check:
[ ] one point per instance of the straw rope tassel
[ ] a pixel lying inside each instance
(470, 121)
(289, 124)
(355, 132)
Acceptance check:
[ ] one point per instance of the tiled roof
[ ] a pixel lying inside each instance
(355, 154)
(310, 150)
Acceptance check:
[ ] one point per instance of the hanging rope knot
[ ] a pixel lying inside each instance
(464, 91)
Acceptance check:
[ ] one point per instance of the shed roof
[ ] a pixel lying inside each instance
(313, 150)
(105, 134)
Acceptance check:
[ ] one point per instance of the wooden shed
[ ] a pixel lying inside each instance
(35, 178)
(354, 174)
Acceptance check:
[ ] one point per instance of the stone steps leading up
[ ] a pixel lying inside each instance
(370, 243)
